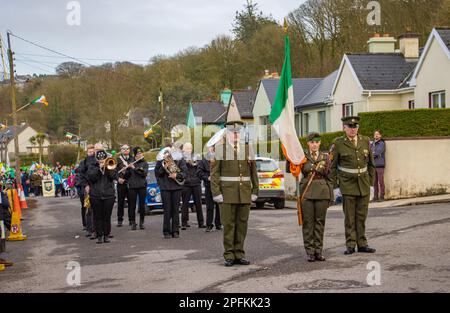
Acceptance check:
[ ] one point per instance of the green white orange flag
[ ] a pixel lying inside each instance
(282, 114)
(40, 99)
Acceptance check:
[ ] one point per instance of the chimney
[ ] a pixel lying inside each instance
(409, 45)
(385, 44)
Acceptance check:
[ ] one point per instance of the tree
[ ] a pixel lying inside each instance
(248, 21)
(38, 140)
(70, 69)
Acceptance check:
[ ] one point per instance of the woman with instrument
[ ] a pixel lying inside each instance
(170, 174)
(192, 187)
(101, 176)
(317, 193)
(137, 184)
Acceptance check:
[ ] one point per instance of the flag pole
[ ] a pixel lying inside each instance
(21, 108)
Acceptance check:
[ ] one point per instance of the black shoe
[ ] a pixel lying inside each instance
(219, 227)
(131, 223)
(105, 239)
(88, 234)
(366, 249)
(242, 261)
(319, 257)
(183, 227)
(176, 235)
(349, 251)
(119, 224)
(93, 236)
(188, 225)
(201, 226)
(99, 240)
(311, 258)
(209, 229)
(229, 263)
(110, 236)
(141, 223)
(134, 226)
(166, 236)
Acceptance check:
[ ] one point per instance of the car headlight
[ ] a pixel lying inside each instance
(152, 192)
(158, 197)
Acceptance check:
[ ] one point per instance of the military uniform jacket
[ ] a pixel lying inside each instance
(352, 168)
(321, 187)
(233, 178)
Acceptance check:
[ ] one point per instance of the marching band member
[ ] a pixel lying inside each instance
(122, 185)
(170, 174)
(101, 193)
(137, 184)
(192, 187)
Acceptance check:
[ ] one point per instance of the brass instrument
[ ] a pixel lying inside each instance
(109, 163)
(87, 202)
(171, 167)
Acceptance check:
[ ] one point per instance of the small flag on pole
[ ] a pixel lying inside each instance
(40, 99)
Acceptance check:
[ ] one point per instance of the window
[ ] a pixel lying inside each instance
(411, 104)
(437, 100)
(322, 122)
(347, 109)
(298, 123)
(263, 166)
(306, 123)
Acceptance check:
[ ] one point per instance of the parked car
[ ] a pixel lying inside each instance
(271, 183)
(153, 200)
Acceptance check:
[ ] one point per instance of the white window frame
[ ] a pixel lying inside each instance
(346, 106)
(441, 99)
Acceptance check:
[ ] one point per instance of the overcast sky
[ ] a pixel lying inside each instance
(119, 30)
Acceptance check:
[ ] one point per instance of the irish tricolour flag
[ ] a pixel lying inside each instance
(282, 115)
(40, 99)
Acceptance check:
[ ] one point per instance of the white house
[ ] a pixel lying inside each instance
(25, 132)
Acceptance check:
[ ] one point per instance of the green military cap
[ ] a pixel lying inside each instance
(234, 125)
(351, 120)
(313, 137)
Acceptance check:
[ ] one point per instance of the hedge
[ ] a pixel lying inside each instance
(407, 123)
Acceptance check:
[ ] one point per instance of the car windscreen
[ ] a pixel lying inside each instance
(151, 178)
(264, 166)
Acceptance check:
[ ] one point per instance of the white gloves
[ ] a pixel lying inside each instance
(218, 199)
(254, 197)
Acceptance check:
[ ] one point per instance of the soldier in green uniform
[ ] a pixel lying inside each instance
(316, 199)
(234, 185)
(353, 171)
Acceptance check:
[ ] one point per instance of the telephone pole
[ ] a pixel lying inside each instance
(14, 109)
(161, 101)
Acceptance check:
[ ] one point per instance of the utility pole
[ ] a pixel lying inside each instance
(79, 143)
(14, 110)
(161, 101)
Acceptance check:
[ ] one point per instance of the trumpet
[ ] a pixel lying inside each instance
(109, 164)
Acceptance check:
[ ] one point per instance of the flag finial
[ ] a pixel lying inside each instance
(285, 26)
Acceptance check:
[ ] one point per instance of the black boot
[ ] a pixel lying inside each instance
(133, 225)
(99, 240)
(141, 223)
(105, 239)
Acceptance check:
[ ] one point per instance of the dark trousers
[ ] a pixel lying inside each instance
(58, 189)
(314, 216)
(355, 210)
(122, 193)
(196, 192)
(171, 207)
(37, 191)
(379, 183)
(211, 208)
(83, 210)
(102, 215)
(135, 194)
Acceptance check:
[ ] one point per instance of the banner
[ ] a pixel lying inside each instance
(48, 188)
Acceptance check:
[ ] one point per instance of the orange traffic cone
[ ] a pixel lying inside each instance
(16, 229)
(22, 199)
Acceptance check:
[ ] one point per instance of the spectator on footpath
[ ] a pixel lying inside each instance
(25, 180)
(378, 148)
(58, 182)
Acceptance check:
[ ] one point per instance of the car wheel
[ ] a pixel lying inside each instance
(260, 205)
(279, 204)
